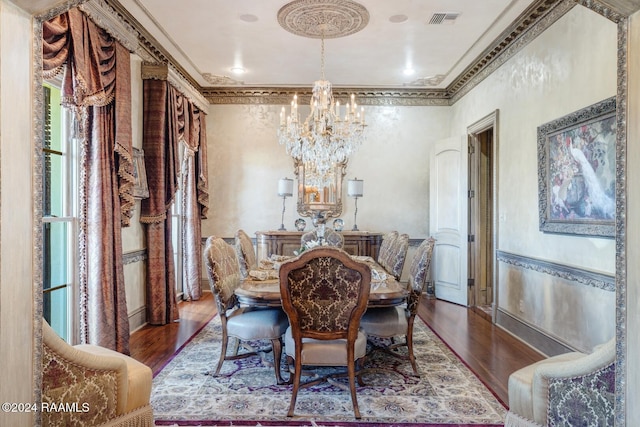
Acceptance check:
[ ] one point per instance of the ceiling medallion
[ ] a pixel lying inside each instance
(323, 18)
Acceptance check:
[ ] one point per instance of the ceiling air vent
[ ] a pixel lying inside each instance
(442, 18)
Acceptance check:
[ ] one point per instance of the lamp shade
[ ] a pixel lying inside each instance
(355, 187)
(285, 187)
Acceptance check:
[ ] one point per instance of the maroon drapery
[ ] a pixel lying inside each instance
(172, 123)
(160, 144)
(97, 84)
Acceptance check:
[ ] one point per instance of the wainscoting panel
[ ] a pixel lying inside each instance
(135, 279)
(554, 307)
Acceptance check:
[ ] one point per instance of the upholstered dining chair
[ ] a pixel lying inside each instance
(329, 237)
(385, 253)
(399, 251)
(324, 293)
(111, 388)
(392, 322)
(246, 253)
(242, 323)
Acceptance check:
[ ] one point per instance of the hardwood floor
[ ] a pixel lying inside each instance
(486, 349)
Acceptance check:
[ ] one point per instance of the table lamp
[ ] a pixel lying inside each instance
(354, 189)
(285, 189)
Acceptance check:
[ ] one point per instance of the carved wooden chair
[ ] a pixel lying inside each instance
(246, 253)
(324, 293)
(392, 322)
(242, 323)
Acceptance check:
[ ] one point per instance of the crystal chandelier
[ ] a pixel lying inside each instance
(327, 136)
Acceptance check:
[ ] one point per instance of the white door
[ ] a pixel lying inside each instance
(448, 219)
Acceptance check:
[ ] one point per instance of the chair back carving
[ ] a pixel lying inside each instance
(246, 253)
(223, 270)
(418, 273)
(324, 293)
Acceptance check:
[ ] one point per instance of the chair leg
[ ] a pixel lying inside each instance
(352, 386)
(296, 385)
(409, 339)
(276, 345)
(223, 351)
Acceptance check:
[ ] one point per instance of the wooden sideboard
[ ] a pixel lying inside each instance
(363, 243)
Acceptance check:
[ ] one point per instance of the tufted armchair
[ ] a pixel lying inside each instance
(565, 390)
(108, 388)
(392, 322)
(242, 323)
(324, 293)
(246, 253)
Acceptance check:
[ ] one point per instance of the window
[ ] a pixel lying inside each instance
(59, 222)
(176, 235)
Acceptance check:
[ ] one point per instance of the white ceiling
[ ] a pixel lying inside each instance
(210, 37)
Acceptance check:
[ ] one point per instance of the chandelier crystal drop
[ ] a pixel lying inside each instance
(328, 136)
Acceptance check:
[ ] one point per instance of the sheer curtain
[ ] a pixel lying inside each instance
(97, 85)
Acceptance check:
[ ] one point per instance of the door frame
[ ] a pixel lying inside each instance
(489, 122)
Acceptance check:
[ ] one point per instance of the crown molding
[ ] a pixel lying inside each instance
(104, 16)
(280, 95)
(531, 23)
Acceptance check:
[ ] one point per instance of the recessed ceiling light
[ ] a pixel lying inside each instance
(247, 17)
(237, 70)
(396, 19)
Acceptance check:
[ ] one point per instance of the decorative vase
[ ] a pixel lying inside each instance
(300, 224)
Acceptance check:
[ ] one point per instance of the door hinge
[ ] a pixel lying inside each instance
(471, 238)
(471, 283)
(471, 194)
(471, 149)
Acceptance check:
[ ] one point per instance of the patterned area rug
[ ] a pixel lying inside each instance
(186, 393)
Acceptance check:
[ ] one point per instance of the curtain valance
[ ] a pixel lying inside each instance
(96, 72)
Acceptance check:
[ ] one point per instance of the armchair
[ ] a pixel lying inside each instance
(109, 388)
(568, 389)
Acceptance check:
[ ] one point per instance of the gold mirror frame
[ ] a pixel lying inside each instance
(325, 202)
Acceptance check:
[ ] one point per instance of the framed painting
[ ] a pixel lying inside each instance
(577, 172)
(140, 186)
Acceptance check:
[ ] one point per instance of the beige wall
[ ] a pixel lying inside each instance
(246, 161)
(133, 239)
(566, 68)
(16, 254)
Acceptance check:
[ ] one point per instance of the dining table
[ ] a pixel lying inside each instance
(262, 287)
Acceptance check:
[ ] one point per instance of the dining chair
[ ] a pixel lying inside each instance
(327, 237)
(385, 251)
(399, 250)
(242, 323)
(324, 293)
(391, 322)
(246, 253)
